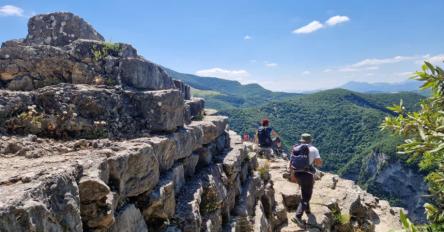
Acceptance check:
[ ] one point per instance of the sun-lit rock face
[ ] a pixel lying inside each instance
(95, 138)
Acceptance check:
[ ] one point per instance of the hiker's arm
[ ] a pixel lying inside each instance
(317, 158)
(317, 162)
(274, 134)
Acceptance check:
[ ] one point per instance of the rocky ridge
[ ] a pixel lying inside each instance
(96, 138)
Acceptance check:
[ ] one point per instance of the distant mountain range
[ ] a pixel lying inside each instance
(220, 93)
(364, 87)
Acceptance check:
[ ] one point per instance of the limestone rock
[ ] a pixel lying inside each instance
(178, 175)
(129, 219)
(63, 48)
(142, 74)
(212, 126)
(89, 112)
(184, 89)
(41, 199)
(197, 106)
(59, 29)
(261, 223)
(159, 205)
(190, 164)
(134, 171)
(165, 150)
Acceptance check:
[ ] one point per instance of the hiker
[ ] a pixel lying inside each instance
(302, 162)
(264, 137)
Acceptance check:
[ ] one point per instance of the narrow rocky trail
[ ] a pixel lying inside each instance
(356, 208)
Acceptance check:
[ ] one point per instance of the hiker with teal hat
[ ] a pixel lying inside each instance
(305, 157)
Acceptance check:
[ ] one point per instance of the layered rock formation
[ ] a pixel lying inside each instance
(96, 138)
(394, 178)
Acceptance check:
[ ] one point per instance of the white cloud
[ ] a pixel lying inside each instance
(10, 10)
(238, 75)
(436, 60)
(306, 72)
(357, 69)
(405, 74)
(392, 60)
(316, 25)
(337, 20)
(309, 28)
(247, 37)
(270, 64)
(327, 70)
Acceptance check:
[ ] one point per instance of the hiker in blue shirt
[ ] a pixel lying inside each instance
(303, 161)
(264, 138)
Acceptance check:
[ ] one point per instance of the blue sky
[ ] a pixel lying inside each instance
(273, 43)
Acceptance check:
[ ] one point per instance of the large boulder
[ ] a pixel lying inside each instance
(63, 48)
(59, 29)
(142, 74)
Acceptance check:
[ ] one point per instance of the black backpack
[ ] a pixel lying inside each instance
(264, 136)
(300, 160)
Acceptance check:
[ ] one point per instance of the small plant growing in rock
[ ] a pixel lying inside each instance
(264, 169)
(107, 48)
(210, 200)
(198, 117)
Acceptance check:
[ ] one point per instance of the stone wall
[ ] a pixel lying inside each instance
(96, 138)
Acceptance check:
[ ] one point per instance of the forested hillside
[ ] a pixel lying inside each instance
(343, 123)
(223, 94)
(345, 126)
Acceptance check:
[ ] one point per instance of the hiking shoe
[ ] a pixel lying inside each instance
(298, 220)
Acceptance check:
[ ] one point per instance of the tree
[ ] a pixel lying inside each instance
(424, 139)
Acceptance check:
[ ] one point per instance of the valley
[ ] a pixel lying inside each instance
(345, 125)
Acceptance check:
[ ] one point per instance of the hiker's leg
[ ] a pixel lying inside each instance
(309, 191)
(306, 193)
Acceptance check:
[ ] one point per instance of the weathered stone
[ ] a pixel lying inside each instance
(133, 171)
(187, 140)
(205, 156)
(212, 126)
(88, 112)
(165, 150)
(21, 83)
(212, 222)
(159, 205)
(250, 194)
(190, 164)
(261, 223)
(184, 89)
(142, 74)
(222, 142)
(188, 217)
(129, 219)
(98, 214)
(178, 174)
(39, 202)
(59, 29)
(197, 106)
(233, 161)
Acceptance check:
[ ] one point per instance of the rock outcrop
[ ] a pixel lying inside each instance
(96, 138)
(410, 186)
(337, 204)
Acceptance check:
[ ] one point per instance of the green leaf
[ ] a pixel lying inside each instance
(431, 67)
